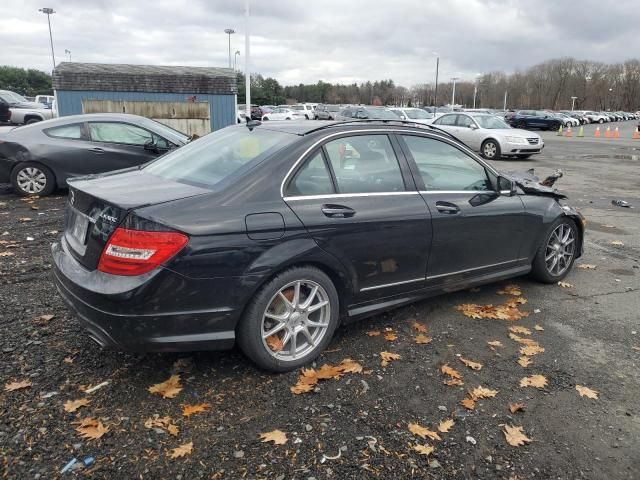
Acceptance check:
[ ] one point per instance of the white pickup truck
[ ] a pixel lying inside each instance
(24, 111)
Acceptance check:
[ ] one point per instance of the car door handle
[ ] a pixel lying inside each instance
(446, 207)
(96, 150)
(338, 211)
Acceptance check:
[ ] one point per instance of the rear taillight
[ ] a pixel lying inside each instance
(134, 252)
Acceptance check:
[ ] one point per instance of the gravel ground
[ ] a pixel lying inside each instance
(355, 426)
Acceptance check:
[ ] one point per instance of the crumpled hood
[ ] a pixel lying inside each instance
(531, 184)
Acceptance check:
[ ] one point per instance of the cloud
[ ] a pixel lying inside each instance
(332, 40)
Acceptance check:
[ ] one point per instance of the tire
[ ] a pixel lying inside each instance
(32, 178)
(521, 125)
(523, 156)
(601, 121)
(490, 149)
(306, 117)
(540, 266)
(33, 120)
(265, 119)
(270, 300)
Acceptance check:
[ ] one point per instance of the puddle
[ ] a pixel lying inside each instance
(617, 156)
(622, 271)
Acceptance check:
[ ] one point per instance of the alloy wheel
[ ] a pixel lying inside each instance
(560, 250)
(489, 149)
(296, 320)
(31, 180)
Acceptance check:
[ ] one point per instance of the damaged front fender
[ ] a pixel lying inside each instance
(531, 184)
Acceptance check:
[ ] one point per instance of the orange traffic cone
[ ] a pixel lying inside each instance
(569, 132)
(597, 134)
(636, 134)
(607, 133)
(616, 134)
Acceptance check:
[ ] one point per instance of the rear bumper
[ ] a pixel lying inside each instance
(158, 312)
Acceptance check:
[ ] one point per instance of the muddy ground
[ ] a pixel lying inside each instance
(591, 338)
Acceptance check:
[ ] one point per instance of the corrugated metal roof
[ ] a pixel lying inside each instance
(144, 78)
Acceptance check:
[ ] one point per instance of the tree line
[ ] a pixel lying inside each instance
(27, 82)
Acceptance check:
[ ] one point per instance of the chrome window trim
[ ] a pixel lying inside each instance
(474, 268)
(385, 285)
(348, 195)
(475, 192)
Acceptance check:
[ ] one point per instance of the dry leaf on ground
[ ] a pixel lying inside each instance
(388, 357)
(419, 327)
(516, 407)
(515, 436)
(91, 428)
(617, 243)
(422, 339)
(453, 382)
(538, 328)
(423, 432)
(445, 425)
(565, 285)
(350, 366)
(188, 410)
(522, 340)
(530, 350)
(468, 403)
(587, 392)
(167, 389)
(278, 437)
(11, 386)
(493, 344)
(73, 405)
(181, 451)
(373, 333)
(538, 381)
(510, 290)
(520, 329)
(587, 266)
(6, 254)
(447, 370)
(472, 365)
(390, 336)
(482, 392)
(309, 377)
(162, 422)
(423, 449)
(524, 361)
(507, 311)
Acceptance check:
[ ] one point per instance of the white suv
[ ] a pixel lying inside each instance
(305, 108)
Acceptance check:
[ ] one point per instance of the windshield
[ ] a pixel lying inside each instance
(381, 114)
(489, 121)
(216, 157)
(418, 114)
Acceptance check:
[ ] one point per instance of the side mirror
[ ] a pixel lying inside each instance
(506, 187)
(151, 146)
(473, 126)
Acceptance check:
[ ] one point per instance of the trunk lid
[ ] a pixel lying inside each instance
(97, 205)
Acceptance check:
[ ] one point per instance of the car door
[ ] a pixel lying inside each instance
(65, 149)
(357, 199)
(119, 145)
(468, 132)
(475, 230)
(448, 122)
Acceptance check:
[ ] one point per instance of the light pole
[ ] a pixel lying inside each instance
(68, 52)
(608, 101)
(235, 59)
(453, 93)
(49, 11)
(475, 88)
(573, 103)
(247, 75)
(504, 105)
(229, 31)
(435, 96)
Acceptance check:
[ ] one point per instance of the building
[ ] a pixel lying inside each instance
(189, 99)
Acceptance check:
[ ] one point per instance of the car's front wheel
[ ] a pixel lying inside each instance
(490, 150)
(31, 178)
(291, 320)
(556, 254)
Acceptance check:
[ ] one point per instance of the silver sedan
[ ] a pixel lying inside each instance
(490, 135)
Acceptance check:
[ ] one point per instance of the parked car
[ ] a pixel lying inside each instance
(581, 118)
(38, 158)
(268, 237)
(529, 119)
(279, 113)
(567, 120)
(418, 115)
(45, 99)
(24, 111)
(306, 109)
(367, 112)
(595, 117)
(327, 112)
(490, 135)
(5, 111)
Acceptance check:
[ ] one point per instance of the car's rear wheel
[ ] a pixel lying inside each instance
(490, 150)
(601, 121)
(291, 320)
(265, 118)
(556, 254)
(32, 120)
(521, 125)
(31, 178)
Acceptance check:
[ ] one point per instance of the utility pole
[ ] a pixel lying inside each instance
(68, 52)
(453, 93)
(504, 105)
(247, 81)
(235, 59)
(229, 31)
(435, 97)
(475, 89)
(49, 11)
(573, 103)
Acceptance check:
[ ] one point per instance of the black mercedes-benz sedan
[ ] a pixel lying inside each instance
(40, 157)
(271, 235)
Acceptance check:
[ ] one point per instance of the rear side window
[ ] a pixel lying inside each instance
(66, 131)
(312, 179)
(125, 133)
(365, 164)
(443, 167)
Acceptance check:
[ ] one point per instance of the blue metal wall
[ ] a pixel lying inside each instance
(221, 107)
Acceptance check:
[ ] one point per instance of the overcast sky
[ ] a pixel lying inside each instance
(332, 40)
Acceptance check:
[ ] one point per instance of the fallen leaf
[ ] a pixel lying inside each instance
(299, 388)
(162, 422)
(515, 436)
(274, 342)
(388, 357)
(167, 389)
(587, 392)
(422, 339)
(68, 360)
(482, 392)
(565, 285)
(516, 407)
(538, 328)
(91, 428)
(617, 242)
(423, 432)
(327, 372)
(587, 266)
(453, 382)
(468, 403)
(350, 366)
(6, 254)
(276, 436)
(419, 327)
(447, 370)
(538, 381)
(390, 336)
(520, 329)
(510, 290)
(188, 410)
(493, 344)
(507, 311)
(182, 450)
(73, 405)
(472, 365)
(524, 341)
(11, 386)
(373, 333)
(423, 449)
(445, 425)
(530, 350)
(25, 219)
(524, 361)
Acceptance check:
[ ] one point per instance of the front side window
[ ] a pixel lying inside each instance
(447, 120)
(66, 131)
(443, 167)
(464, 121)
(365, 164)
(125, 133)
(312, 179)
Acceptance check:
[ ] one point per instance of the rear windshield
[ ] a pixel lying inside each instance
(219, 155)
